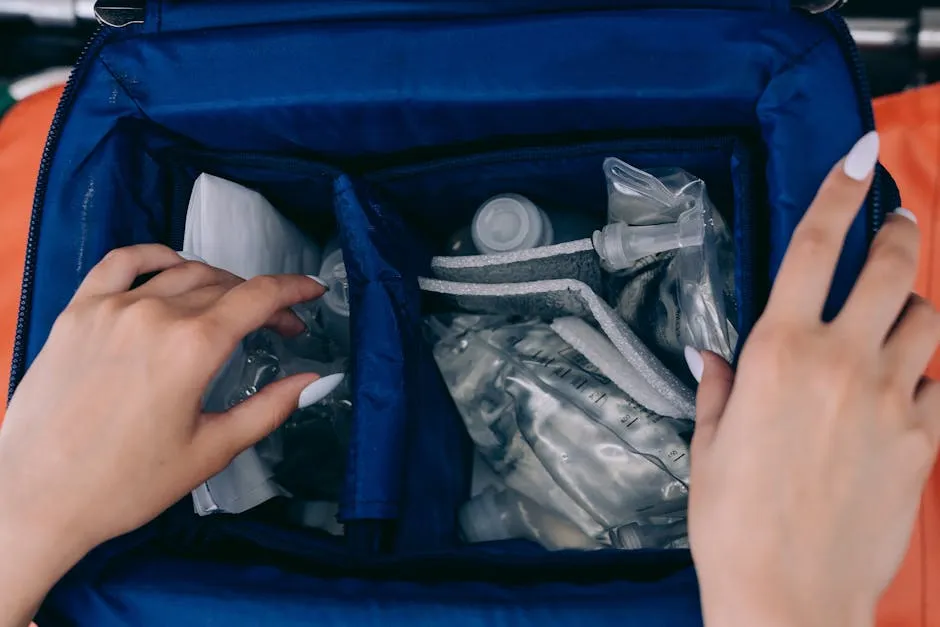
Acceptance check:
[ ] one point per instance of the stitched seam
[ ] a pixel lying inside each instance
(121, 84)
(801, 57)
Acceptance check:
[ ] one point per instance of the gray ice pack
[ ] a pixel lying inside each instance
(571, 260)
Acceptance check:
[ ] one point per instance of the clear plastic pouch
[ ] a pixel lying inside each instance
(305, 458)
(557, 430)
(506, 514)
(682, 294)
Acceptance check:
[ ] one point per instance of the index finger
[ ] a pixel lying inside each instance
(120, 267)
(805, 276)
(247, 307)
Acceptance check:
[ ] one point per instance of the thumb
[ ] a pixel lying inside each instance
(251, 421)
(715, 380)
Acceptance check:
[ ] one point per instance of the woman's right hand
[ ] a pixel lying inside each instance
(808, 465)
(107, 428)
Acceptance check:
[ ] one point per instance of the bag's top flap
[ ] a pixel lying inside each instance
(185, 15)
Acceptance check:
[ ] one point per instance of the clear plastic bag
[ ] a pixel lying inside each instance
(305, 458)
(235, 228)
(557, 430)
(683, 293)
(505, 514)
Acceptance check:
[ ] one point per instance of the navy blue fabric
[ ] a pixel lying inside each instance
(162, 591)
(184, 15)
(393, 131)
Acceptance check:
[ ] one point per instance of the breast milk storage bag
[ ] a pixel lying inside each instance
(450, 162)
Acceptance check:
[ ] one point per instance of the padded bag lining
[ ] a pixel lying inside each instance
(573, 260)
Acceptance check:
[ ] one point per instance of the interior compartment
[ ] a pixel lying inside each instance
(409, 465)
(555, 177)
(155, 186)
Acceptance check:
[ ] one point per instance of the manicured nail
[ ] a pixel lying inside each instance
(861, 160)
(906, 213)
(319, 389)
(190, 257)
(696, 364)
(320, 281)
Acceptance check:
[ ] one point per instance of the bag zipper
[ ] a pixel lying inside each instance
(18, 365)
(860, 78)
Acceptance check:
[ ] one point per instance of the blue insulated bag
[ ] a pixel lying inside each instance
(392, 120)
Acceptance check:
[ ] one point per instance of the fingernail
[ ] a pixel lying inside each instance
(320, 281)
(906, 213)
(190, 257)
(861, 160)
(319, 389)
(696, 364)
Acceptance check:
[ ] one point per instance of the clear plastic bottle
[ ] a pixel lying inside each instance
(335, 303)
(510, 223)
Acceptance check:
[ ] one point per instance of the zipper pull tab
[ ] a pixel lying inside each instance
(119, 14)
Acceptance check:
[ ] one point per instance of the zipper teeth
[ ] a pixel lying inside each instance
(18, 364)
(877, 213)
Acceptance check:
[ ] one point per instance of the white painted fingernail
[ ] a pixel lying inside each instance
(696, 364)
(861, 160)
(906, 213)
(319, 389)
(320, 281)
(190, 257)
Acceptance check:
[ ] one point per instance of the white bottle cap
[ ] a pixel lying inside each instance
(508, 223)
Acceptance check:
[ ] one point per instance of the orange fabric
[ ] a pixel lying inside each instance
(909, 124)
(22, 138)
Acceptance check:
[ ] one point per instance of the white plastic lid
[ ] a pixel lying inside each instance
(508, 223)
(334, 273)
